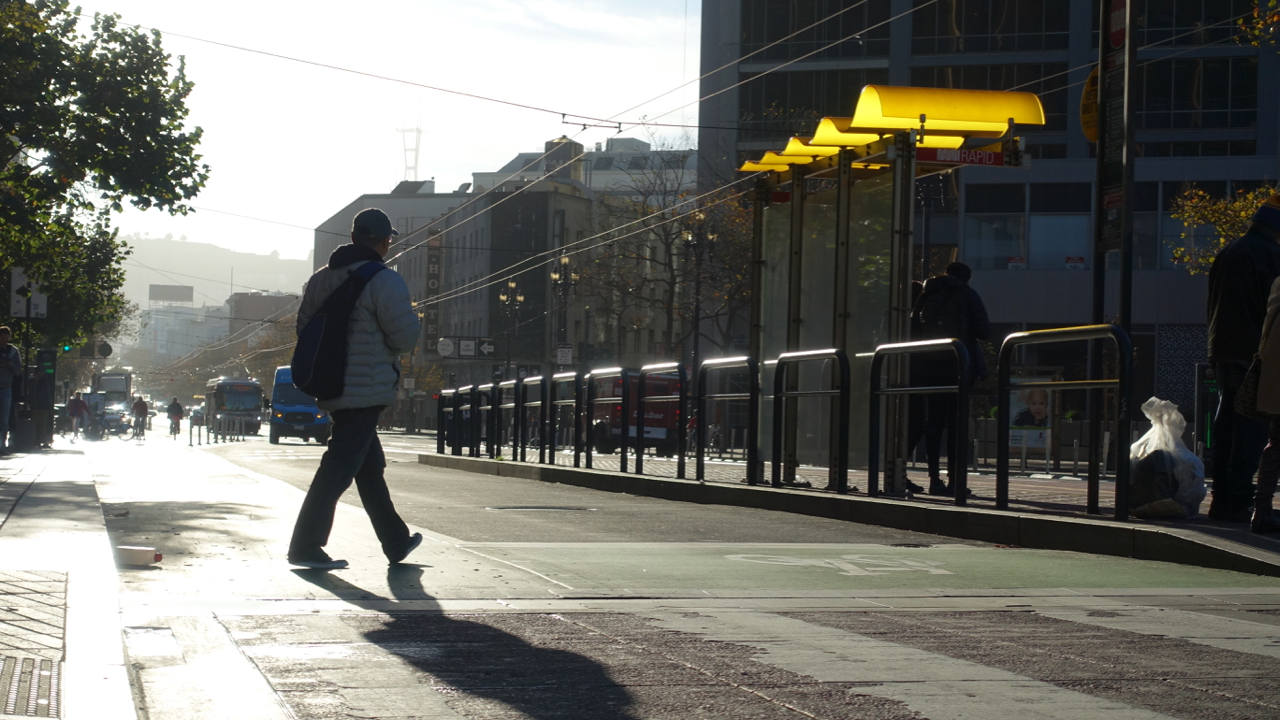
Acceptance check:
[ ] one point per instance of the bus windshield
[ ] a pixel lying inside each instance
(241, 401)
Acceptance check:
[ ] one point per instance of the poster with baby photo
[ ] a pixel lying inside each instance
(1030, 412)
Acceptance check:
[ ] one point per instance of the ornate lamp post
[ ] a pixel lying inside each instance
(563, 278)
(511, 298)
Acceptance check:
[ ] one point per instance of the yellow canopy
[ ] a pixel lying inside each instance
(888, 106)
(950, 117)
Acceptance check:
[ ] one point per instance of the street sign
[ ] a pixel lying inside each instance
(564, 354)
(407, 383)
(464, 347)
(24, 294)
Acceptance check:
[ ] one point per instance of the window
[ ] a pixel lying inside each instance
(954, 26)
(1193, 148)
(1199, 93)
(1047, 80)
(995, 241)
(1186, 22)
(849, 30)
(782, 104)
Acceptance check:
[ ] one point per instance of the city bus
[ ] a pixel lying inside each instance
(230, 399)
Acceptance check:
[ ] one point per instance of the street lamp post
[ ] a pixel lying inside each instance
(698, 244)
(563, 279)
(511, 298)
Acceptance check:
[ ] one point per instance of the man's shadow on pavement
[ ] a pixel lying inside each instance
(483, 661)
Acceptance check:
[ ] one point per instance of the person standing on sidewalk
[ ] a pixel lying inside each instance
(1239, 282)
(10, 368)
(948, 308)
(1265, 519)
(78, 412)
(383, 326)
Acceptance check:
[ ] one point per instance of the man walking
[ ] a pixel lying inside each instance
(383, 326)
(947, 308)
(1239, 282)
(10, 368)
(78, 412)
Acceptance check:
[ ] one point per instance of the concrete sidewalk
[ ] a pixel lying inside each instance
(60, 637)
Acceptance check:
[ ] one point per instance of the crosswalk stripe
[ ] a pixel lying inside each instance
(936, 686)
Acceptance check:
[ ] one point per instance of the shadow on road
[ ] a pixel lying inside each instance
(474, 655)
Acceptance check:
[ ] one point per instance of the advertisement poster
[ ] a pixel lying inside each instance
(1030, 412)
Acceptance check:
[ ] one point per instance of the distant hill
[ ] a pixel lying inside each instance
(208, 268)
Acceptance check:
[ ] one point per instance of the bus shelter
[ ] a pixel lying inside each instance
(834, 248)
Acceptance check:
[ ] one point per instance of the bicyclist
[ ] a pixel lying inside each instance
(175, 413)
(139, 412)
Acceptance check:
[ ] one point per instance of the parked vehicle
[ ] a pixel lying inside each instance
(294, 413)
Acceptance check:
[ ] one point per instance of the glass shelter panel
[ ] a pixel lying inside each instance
(870, 237)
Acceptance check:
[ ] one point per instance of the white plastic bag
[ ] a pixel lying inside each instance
(1166, 479)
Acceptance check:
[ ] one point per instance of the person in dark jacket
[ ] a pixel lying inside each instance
(383, 326)
(1239, 282)
(948, 307)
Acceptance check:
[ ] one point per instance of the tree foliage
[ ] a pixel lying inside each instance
(1262, 27)
(1213, 222)
(87, 123)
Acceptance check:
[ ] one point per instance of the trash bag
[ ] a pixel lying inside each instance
(1167, 479)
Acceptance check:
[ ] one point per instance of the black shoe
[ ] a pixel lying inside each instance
(1265, 522)
(914, 488)
(319, 560)
(968, 491)
(937, 487)
(414, 541)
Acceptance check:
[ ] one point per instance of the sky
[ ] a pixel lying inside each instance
(289, 143)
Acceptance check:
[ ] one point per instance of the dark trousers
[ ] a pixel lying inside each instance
(941, 416)
(1237, 444)
(354, 452)
(1269, 468)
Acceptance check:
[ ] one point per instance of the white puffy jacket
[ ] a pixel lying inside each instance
(383, 327)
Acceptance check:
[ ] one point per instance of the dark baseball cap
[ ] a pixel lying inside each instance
(372, 224)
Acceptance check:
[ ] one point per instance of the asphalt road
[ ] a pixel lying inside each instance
(533, 600)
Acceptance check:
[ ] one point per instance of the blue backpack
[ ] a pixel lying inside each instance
(319, 361)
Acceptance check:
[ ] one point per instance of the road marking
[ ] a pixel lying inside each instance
(936, 686)
(1236, 634)
(852, 564)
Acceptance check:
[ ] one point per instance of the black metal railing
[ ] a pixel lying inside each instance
(1122, 382)
(621, 397)
(838, 467)
(445, 411)
(516, 406)
(752, 396)
(959, 475)
(542, 405)
(573, 379)
(676, 426)
(483, 418)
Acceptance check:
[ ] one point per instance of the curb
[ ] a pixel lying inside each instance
(1042, 532)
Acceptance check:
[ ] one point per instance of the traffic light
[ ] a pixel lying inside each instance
(66, 347)
(46, 362)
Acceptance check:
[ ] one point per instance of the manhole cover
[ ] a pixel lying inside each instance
(30, 686)
(544, 507)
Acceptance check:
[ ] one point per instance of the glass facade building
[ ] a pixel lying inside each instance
(1205, 113)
